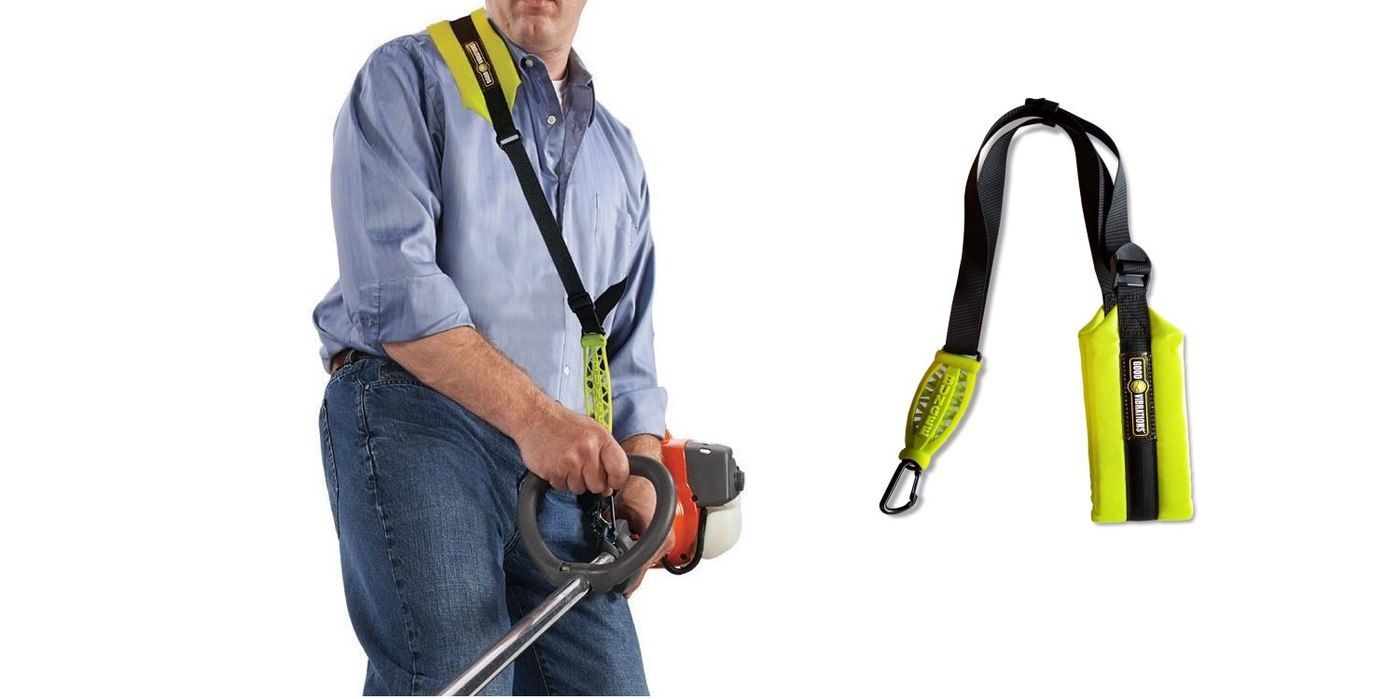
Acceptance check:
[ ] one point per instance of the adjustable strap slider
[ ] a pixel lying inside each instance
(1131, 266)
(582, 306)
(580, 301)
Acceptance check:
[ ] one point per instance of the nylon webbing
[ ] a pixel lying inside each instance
(1140, 452)
(509, 139)
(983, 201)
(1122, 268)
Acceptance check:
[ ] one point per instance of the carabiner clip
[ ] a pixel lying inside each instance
(894, 480)
(604, 518)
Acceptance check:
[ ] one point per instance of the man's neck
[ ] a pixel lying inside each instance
(556, 62)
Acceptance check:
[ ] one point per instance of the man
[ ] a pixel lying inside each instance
(456, 365)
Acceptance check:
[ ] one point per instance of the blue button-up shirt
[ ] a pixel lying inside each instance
(433, 231)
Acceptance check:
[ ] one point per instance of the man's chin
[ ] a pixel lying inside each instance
(534, 31)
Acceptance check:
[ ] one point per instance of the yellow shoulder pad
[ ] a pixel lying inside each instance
(455, 54)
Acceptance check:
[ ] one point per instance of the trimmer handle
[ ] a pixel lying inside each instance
(604, 576)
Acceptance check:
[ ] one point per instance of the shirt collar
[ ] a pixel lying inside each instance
(577, 73)
(576, 77)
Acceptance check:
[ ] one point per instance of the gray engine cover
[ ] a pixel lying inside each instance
(714, 477)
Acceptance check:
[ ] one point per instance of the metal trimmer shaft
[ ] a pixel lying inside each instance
(472, 680)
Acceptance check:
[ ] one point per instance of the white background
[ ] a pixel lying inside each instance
(167, 232)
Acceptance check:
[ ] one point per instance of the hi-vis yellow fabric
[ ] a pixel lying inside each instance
(456, 58)
(1103, 405)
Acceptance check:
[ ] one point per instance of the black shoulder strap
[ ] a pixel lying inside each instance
(1123, 269)
(510, 141)
(1102, 198)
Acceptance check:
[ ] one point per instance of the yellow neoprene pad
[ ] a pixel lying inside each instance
(1099, 357)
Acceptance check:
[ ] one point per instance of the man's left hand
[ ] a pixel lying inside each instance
(636, 503)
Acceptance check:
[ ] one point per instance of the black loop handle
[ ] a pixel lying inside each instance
(605, 576)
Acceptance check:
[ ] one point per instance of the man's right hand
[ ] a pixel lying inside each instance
(563, 447)
(572, 452)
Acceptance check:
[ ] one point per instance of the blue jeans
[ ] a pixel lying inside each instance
(423, 493)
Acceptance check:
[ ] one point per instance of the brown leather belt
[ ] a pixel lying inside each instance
(344, 357)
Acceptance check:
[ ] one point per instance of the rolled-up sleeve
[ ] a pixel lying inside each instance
(385, 187)
(639, 401)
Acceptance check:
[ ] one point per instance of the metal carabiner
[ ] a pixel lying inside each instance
(604, 519)
(894, 480)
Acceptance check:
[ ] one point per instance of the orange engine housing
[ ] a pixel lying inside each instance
(687, 523)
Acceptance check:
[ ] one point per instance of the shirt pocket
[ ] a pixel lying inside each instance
(612, 222)
(614, 239)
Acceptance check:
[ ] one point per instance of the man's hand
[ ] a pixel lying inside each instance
(572, 452)
(636, 503)
(569, 450)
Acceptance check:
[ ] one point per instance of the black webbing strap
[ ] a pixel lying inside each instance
(1121, 267)
(983, 201)
(1132, 270)
(509, 139)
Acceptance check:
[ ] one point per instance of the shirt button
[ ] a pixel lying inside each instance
(566, 370)
(552, 119)
(529, 63)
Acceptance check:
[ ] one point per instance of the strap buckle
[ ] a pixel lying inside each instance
(1131, 267)
(502, 141)
(582, 306)
(579, 301)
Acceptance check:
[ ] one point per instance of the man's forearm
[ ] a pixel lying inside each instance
(569, 450)
(643, 444)
(460, 364)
